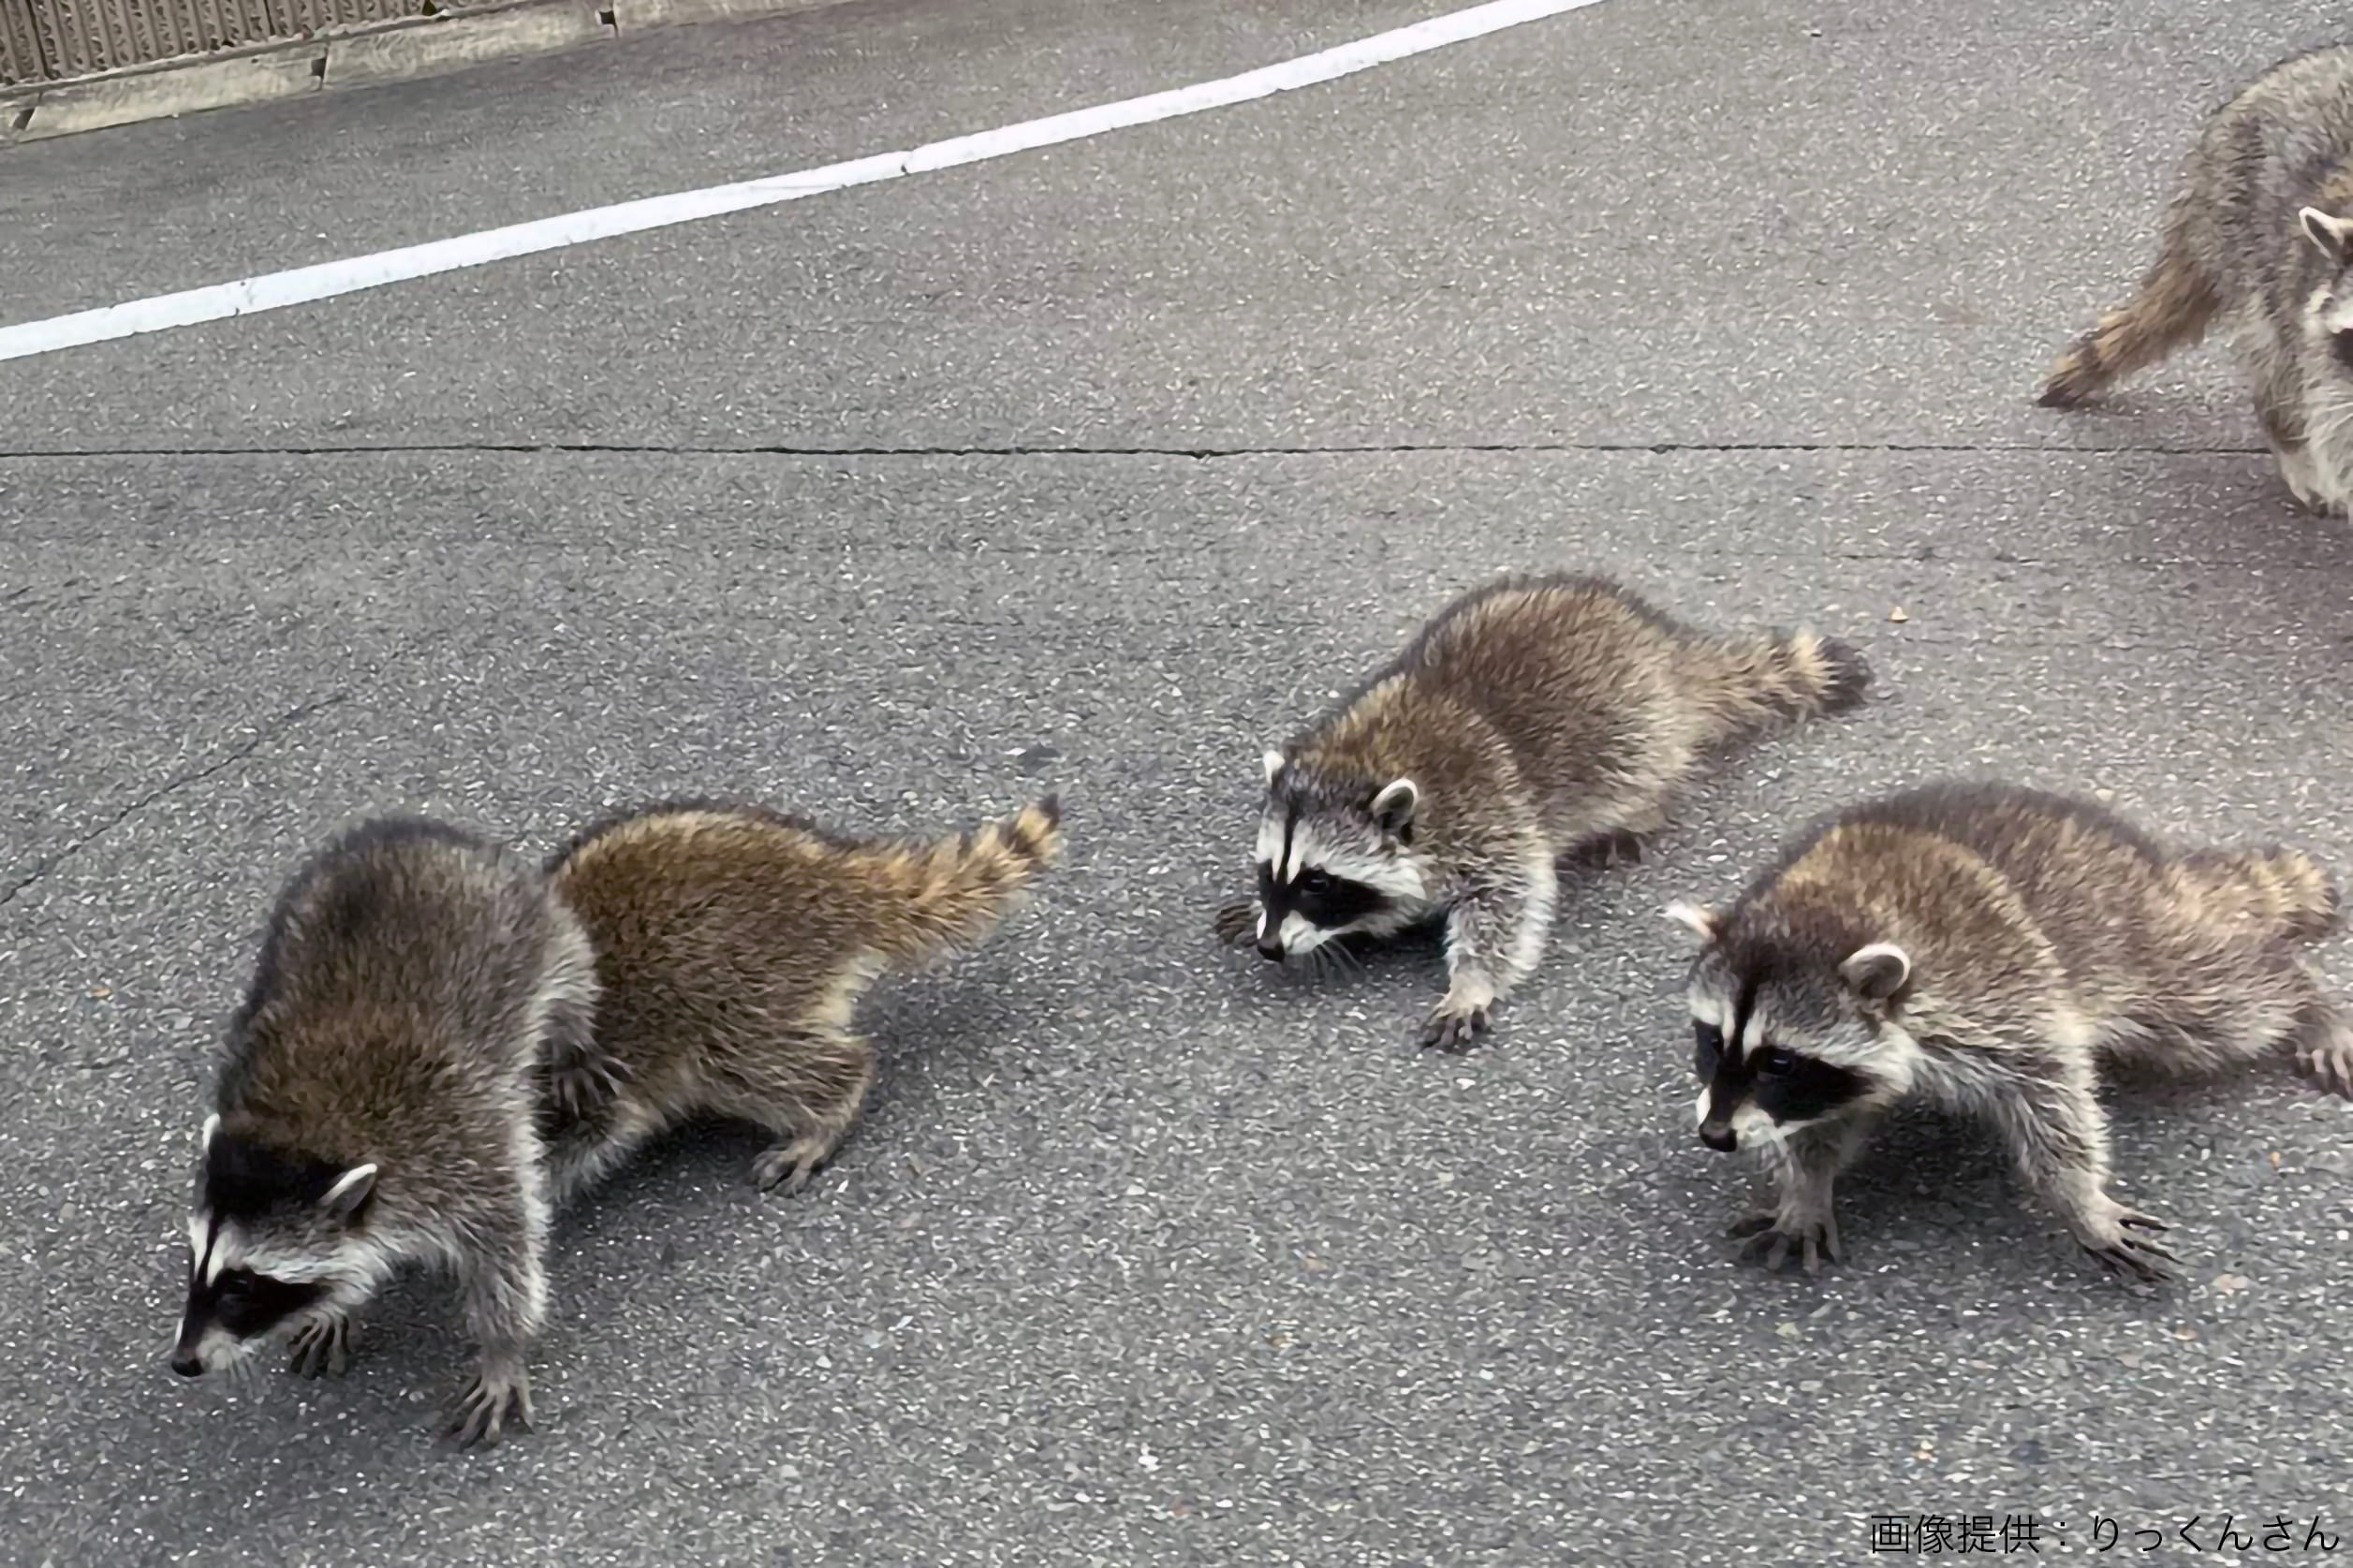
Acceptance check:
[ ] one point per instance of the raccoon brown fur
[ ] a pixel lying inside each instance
(1535, 718)
(2258, 237)
(1994, 950)
(733, 943)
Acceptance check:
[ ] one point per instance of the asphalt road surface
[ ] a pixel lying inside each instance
(1099, 468)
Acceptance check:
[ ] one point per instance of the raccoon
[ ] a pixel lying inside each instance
(733, 943)
(1534, 719)
(417, 993)
(1993, 949)
(2259, 237)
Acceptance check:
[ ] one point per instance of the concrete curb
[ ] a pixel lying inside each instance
(385, 52)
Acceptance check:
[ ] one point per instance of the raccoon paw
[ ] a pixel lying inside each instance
(325, 1346)
(1608, 852)
(2124, 1252)
(1455, 1032)
(1236, 921)
(789, 1166)
(490, 1404)
(581, 1089)
(2328, 1064)
(1813, 1239)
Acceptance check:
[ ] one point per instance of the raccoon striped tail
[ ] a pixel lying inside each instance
(2175, 305)
(951, 894)
(2284, 889)
(1789, 675)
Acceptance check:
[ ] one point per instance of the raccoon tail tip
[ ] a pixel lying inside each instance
(1821, 674)
(1847, 676)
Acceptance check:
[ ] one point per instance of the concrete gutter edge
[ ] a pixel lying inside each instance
(382, 51)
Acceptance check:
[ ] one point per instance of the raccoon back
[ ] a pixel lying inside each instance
(697, 906)
(1594, 694)
(400, 989)
(2285, 141)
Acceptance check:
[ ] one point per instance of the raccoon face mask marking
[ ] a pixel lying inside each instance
(1333, 860)
(272, 1244)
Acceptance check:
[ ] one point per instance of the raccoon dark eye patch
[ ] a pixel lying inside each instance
(1804, 1087)
(1333, 900)
(245, 1303)
(1707, 1048)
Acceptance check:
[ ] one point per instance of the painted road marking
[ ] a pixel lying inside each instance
(304, 285)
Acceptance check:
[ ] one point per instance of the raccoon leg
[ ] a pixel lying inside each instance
(577, 1079)
(324, 1346)
(812, 1104)
(505, 1292)
(2279, 407)
(2173, 307)
(1805, 1167)
(1495, 933)
(2059, 1136)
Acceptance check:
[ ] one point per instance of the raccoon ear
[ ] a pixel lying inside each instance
(204, 1138)
(1699, 919)
(351, 1190)
(1877, 971)
(1393, 807)
(1273, 762)
(2334, 236)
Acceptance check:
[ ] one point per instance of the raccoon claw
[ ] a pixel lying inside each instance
(1813, 1240)
(2328, 1065)
(1455, 1034)
(578, 1092)
(1235, 921)
(482, 1414)
(322, 1347)
(1609, 851)
(787, 1169)
(2144, 1257)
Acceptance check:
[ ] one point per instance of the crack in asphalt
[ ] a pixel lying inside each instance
(1199, 454)
(262, 736)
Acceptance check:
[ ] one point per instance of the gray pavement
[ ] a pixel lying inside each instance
(1145, 1256)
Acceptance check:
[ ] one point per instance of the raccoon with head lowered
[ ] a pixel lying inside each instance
(2258, 236)
(733, 943)
(1993, 949)
(419, 992)
(1533, 719)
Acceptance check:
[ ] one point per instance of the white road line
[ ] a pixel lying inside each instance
(304, 285)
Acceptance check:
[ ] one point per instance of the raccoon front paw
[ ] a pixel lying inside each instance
(2123, 1251)
(490, 1404)
(787, 1168)
(1814, 1237)
(1454, 1030)
(1236, 921)
(581, 1090)
(2328, 1062)
(325, 1346)
(1608, 852)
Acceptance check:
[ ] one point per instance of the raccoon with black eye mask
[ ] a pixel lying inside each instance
(1533, 721)
(1996, 951)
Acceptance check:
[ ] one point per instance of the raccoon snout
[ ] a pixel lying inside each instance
(1270, 948)
(1719, 1137)
(188, 1363)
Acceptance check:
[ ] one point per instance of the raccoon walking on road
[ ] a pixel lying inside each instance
(733, 943)
(2259, 237)
(416, 987)
(1534, 718)
(1995, 950)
